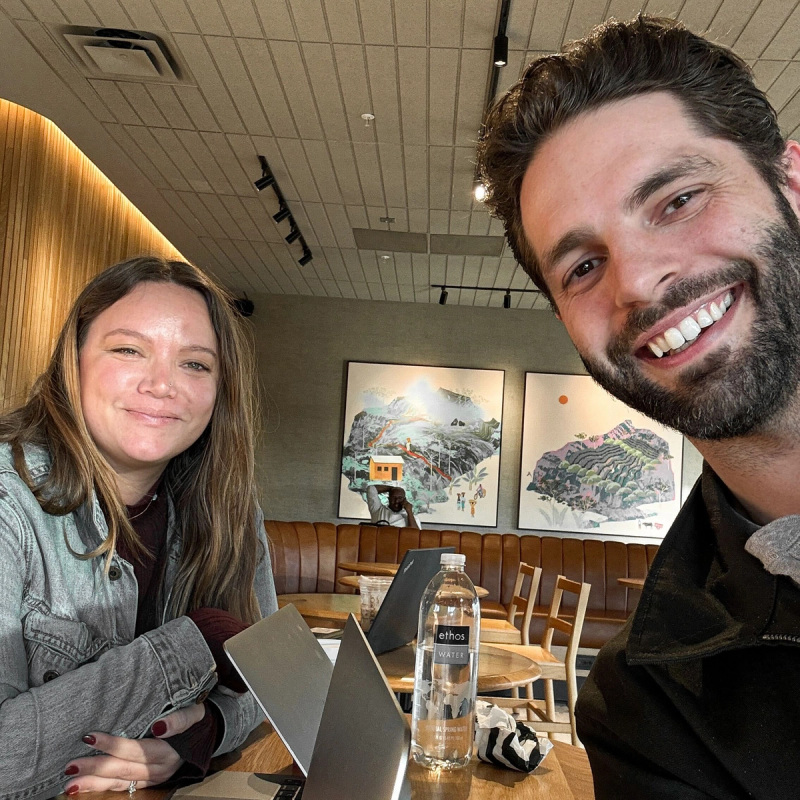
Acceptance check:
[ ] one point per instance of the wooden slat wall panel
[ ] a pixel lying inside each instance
(61, 222)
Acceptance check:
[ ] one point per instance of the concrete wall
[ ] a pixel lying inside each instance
(304, 344)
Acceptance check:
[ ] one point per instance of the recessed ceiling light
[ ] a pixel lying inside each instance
(480, 192)
(367, 119)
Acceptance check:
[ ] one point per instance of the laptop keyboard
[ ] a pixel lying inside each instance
(291, 789)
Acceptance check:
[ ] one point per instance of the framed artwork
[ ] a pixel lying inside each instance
(435, 431)
(591, 463)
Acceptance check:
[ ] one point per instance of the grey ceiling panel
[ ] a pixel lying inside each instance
(342, 229)
(479, 24)
(352, 71)
(16, 9)
(183, 161)
(626, 9)
(384, 89)
(697, 14)
(369, 173)
(454, 271)
(367, 239)
(321, 166)
(422, 268)
(207, 220)
(209, 18)
(153, 151)
(730, 19)
(785, 43)
(220, 148)
(471, 92)
(242, 18)
(392, 170)
(413, 67)
(136, 94)
(445, 18)
(416, 173)
(202, 156)
(143, 14)
(324, 80)
(438, 221)
(241, 217)
(585, 14)
(786, 86)
(440, 177)
(115, 102)
(442, 94)
(418, 220)
(766, 72)
(320, 224)
(309, 20)
(762, 27)
(479, 222)
(466, 245)
(549, 23)
(520, 20)
(411, 22)
(292, 73)
(357, 216)
(296, 163)
(169, 106)
(459, 224)
(258, 60)
(46, 11)
(78, 12)
(197, 108)
(176, 16)
(400, 217)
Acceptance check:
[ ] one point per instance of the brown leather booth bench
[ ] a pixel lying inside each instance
(305, 555)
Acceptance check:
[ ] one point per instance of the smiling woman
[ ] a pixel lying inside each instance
(131, 540)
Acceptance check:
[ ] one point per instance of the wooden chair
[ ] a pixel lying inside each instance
(506, 631)
(552, 668)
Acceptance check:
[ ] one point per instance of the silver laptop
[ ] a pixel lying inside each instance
(362, 742)
(397, 619)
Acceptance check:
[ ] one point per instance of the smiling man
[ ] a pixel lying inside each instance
(646, 188)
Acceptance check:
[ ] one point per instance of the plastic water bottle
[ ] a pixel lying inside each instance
(446, 675)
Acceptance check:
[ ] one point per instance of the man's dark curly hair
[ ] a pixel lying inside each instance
(618, 60)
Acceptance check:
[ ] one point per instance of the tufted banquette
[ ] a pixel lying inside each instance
(305, 555)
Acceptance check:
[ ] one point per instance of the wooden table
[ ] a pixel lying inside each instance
(352, 580)
(320, 609)
(631, 583)
(564, 775)
(369, 567)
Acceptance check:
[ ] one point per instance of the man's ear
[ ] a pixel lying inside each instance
(791, 163)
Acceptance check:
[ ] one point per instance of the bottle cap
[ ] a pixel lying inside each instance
(453, 560)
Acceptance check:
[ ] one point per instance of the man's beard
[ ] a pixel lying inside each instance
(725, 395)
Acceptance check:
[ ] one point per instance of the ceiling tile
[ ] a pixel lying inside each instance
(441, 177)
(235, 77)
(442, 94)
(762, 28)
(766, 72)
(342, 229)
(184, 212)
(209, 82)
(242, 18)
(730, 19)
(392, 292)
(357, 216)
(217, 209)
(275, 18)
(369, 263)
(362, 291)
(786, 41)
(374, 214)
(520, 22)
(369, 173)
(376, 21)
(585, 14)
(445, 18)
(352, 71)
(391, 162)
(116, 102)
(413, 67)
(169, 106)
(400, 217)
(293, 76)
(416, 175)
(268, 148)
(295, 159)
(197, 108)
(303, 223)
(786, 86)
(201, 155)
(136, 94)
(261, 214)
(176, 16)
(549, 23)
(143, 14)
(427, 270)
(333, 257)
(347, 290)
(789, 118)
(472, 87)
(439, 221)
(209, 18)
(352, 263)
(411, 21)
(418, 220)
(463, 179)
(479, 24)
(343, 21)
(402, 266)
(384, 88)
(220, 147)
(406, 293)
(332, 288)
(321, 166)
(258, 60)
(627, 9)
(472, 269)
(16, 9)
(198, 208)
(179, 155)
(46, 11)
(309, 20)
(479, 223)
(459, 222)
(153, 150)
(697, 14)
(322, 74)
(241, 217)
(320, 224)
(78, 12)
(488, 271)
(454, 271)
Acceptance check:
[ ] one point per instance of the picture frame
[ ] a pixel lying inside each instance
(590, 463)
(434, 431)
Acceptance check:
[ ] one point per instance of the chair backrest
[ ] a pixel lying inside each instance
(523, 603)
(571, 628)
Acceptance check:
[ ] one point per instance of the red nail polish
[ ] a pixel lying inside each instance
(89, 739)
(72, 769)
(159, 728)
(74, 789)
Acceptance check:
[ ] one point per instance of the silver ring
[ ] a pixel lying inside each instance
(131, 788)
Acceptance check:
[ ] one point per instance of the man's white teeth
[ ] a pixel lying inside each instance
(704, 319)
(689, 329)
(679, 338)
(674, 338)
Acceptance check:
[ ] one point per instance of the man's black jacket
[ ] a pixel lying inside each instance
(699, 694)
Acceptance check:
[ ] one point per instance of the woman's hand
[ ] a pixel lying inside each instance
(146, 761)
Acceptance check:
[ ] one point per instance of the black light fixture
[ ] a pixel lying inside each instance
(507, 299)
(305, 258)
(267, 178)
(283, 212)
(443, 297)
(294, 235)
(500, 50)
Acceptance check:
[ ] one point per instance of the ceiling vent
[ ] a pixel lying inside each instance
(123, 55)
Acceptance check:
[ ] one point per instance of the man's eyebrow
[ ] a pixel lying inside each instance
(680, 168)
(566, 244)
(194, 348)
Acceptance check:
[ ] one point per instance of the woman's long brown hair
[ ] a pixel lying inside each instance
(212, 483)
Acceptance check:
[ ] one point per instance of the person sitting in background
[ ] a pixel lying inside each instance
(397, 512)
(131, 541)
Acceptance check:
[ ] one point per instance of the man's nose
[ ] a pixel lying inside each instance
(642, 270)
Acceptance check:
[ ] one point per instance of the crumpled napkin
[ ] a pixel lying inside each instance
(505, 741)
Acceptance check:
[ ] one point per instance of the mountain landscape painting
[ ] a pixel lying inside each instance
(435, 431)
(592, 464)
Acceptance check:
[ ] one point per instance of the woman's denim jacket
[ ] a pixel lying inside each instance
(69, 662)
